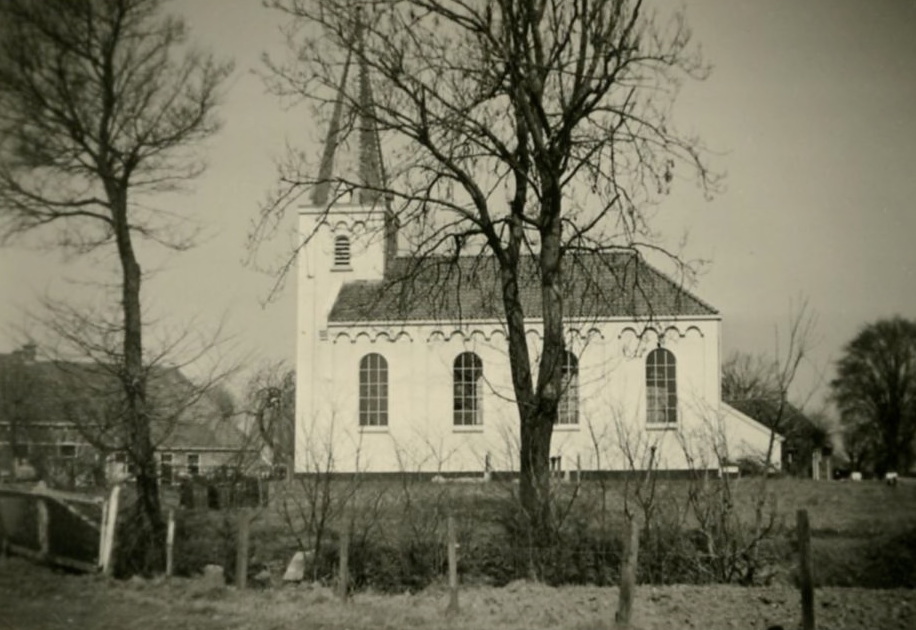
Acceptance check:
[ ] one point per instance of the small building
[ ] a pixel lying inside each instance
(806, 449)
(59, 421)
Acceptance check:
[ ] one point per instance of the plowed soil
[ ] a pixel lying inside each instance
(33, 598)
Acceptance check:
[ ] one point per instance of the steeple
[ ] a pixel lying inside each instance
(353, 122)
(340, 160)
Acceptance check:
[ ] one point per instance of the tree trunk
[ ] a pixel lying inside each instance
(537, 424)
(148, 552)
(534, 440)
(534, 483)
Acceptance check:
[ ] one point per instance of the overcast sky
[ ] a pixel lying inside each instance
(811, 109)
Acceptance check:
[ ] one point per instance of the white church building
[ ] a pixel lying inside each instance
(402, 365)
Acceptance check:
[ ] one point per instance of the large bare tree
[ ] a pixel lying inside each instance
(526, 131)
(102, 102)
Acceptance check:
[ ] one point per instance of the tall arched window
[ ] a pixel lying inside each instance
(568, 411)
(373, 391)
(341, 251)
(468, 390)
(661, 388)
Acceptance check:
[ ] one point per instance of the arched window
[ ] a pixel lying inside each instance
(341, 251)
(373, 391)
(568, 411)
(468, 390)
(661, 388)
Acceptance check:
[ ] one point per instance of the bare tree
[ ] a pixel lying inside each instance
(85, 375)
(101, 101)
(733, 544)
(271, 396)
(761, 384)
(536, 134)
(748, 376)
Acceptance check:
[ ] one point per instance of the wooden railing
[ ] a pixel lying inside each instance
(63, 528)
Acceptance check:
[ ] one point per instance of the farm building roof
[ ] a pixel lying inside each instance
(67, 393)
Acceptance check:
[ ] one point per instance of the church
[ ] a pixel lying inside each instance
(403, 367)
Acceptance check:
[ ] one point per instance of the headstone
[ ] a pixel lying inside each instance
(856, 476)
(213, 576)
(295, 572)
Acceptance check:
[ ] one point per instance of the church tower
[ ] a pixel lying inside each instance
(347, 233)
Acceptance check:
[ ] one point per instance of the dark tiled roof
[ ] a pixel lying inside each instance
(790, 420)
(439, 289)
(66, 392)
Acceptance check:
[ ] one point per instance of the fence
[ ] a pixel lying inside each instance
(62, 528)
(221, 494)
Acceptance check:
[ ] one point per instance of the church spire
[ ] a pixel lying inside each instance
(368, 170)
(361, 164)
(326, 167)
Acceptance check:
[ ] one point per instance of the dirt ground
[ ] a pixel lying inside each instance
(37, 598)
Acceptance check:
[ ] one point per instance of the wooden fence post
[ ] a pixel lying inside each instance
(344, 572)
(44, 525)
(111, 522)
(452, 567)
(170, 545)
(806, 569)
(241, 550)
(4, 540)
(103, 530)
(628, 574)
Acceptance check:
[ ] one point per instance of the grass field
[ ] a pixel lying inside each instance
(860, 529)
(36, 598)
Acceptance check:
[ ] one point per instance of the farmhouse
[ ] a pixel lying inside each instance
(58, 421)
(402, 362)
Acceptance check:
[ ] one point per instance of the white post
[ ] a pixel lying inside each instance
(112, 520)
(170, 544)
(103, 530)
(452, 567)
(44, 525)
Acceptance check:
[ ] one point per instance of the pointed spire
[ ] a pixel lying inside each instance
(364, 165)
(326, 167)
(369, 171)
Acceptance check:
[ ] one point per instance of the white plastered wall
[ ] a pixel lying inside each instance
(611, 434)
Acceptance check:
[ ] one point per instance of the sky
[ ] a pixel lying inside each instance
(810, 111)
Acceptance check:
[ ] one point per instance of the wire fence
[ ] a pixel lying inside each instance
(397, 534)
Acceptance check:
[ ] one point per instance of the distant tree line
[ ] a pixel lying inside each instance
(875, 392)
